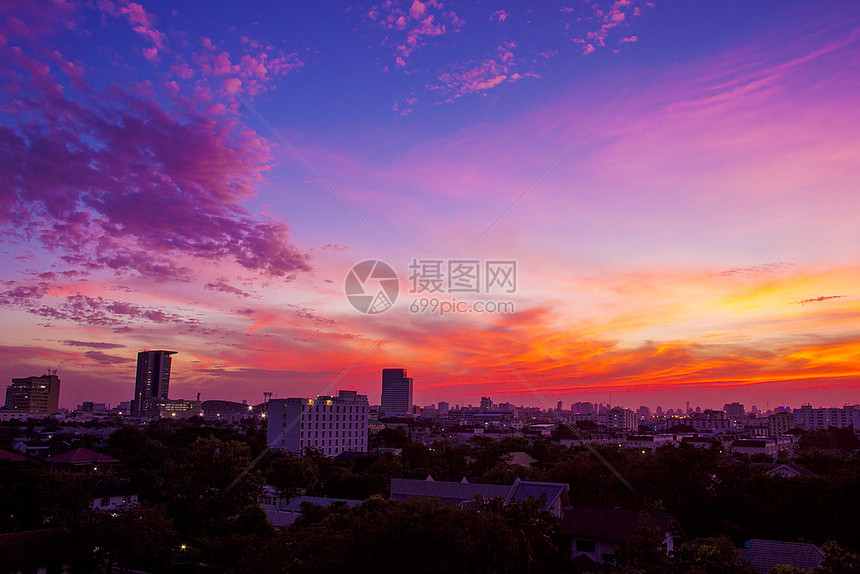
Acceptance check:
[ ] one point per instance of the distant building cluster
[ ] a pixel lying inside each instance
(338, 425)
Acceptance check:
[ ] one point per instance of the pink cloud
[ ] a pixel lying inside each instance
(412, 24)
(489, 74)
(594, 29)
(499, 16)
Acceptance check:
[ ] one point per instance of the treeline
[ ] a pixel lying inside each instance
(194, 510)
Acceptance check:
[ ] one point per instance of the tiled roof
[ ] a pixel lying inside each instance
(611, 524)
(12, 456)
(765, 554)
(453, 492)
(33, 549)
(295, 504)
(521, 458)
(786, 469)
(523, 490)
(83, 456)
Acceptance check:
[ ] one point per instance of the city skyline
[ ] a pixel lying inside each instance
(695, 243)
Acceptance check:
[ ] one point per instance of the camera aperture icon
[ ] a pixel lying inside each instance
(372, 286)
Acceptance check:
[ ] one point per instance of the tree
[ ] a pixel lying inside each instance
(709, 556)
(838, 560)
(643, 552)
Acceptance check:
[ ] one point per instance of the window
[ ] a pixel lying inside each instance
(585, 546)
(105, 501)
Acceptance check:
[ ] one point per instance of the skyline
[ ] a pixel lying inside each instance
(696, 243)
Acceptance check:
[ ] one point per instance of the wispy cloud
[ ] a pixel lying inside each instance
(818, 299)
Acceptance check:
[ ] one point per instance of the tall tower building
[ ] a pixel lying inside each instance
(396, 392)
(34, 395)
(151, 382)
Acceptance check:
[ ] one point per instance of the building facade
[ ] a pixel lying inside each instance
(151, 382)
(621, 419)
(331, 425)
(34, 395)
(780, 423)
(396, 392)
(809, 418)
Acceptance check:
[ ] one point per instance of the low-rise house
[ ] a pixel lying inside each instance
(111, 498)
(648, 441)
(598, 534)
(83, 460)
(751, 447)
(555, 495)
(764, 555)
(31, 450)
(520, 459)
(282, 511)
(785, 470)
(10, 456)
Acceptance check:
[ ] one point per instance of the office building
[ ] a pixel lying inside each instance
(34, 395)
(151, 383)
(396, 392)
(331, 425)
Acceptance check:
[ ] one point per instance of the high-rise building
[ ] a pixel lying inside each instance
(396, 392)
(443, 408)
(331, 425)
(734, 410)
(151, 382)
(486, 404)
(34, 395)
(621, 419)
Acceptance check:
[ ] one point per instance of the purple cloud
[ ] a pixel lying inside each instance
(224, 287)
(93, 344)
(117, 180)
(105, 359)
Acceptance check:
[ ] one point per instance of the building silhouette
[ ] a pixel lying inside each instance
(34, 395)
(151, 382)
(396, 392)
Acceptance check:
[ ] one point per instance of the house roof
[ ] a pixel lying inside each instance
(451, 492)
(752, 443)
(33, 549)
(789, 469)
(460, 492)
(12, 456)
(295, 504)
(611, 524)
(765, 554)
(521, 458)
(523, 490)
(103, 490)
(83, 456)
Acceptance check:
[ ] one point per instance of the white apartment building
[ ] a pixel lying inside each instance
(809, 418)
(331, 425)
(621, 419)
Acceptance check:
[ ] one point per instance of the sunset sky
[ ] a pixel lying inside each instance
(699, 241)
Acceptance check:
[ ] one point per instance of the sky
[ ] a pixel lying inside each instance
(676, 185)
